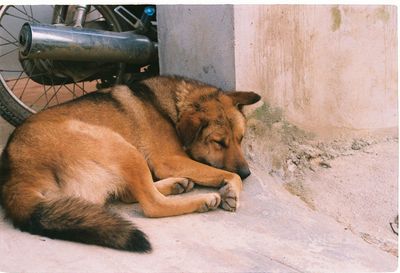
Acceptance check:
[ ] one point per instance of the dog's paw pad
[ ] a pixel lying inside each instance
(182, 186)
(230, 199)
(211, 202)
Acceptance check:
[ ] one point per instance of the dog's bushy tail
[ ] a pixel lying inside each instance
(74, 219)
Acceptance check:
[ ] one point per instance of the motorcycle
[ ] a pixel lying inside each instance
(53, 54)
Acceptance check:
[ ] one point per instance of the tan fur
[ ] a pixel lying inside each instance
(113, 142)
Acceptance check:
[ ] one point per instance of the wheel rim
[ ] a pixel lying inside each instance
(29, 94)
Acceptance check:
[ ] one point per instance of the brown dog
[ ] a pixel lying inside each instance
(61, 166)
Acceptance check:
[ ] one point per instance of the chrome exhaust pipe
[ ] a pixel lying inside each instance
(56, 42)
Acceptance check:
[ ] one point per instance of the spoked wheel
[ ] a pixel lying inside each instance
(28, 86)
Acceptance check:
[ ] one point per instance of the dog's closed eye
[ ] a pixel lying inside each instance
(220, 143)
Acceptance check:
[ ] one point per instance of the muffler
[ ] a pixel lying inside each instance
(56, 42)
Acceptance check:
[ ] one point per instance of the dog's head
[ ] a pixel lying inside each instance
(211, 126)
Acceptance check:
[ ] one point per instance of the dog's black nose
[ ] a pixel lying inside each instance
(243, 172)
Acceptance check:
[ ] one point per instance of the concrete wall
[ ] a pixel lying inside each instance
(197, 41)
(324, 66)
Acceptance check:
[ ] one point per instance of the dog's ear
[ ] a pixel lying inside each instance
(241, 98)
(189, 127)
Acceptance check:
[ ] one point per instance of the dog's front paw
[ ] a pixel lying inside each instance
(211, 202)
(182, 185)
(230, 197)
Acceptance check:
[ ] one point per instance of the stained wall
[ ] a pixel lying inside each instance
(325, 66)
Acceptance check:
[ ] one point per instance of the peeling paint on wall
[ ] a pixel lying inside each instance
(336, 18)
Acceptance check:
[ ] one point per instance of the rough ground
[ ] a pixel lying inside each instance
(312, 204)
(351, 176)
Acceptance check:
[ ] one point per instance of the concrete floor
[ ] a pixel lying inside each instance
(273, 231)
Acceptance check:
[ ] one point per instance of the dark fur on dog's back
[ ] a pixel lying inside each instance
(76, 220)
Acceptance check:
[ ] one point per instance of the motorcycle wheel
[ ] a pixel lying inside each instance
(20, 95)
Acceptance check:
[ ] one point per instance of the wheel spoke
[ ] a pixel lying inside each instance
(23, 90)
(23, 19)
(43, 94)
(83, 89)
(30, 18)
(11, 51)
(19, 77)
(55, 92)
(54, 95)
(30, 7)
(45, 90)
(24, 9)
(9, 43)
(71, 91)
(15, 39)
(73, 86)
